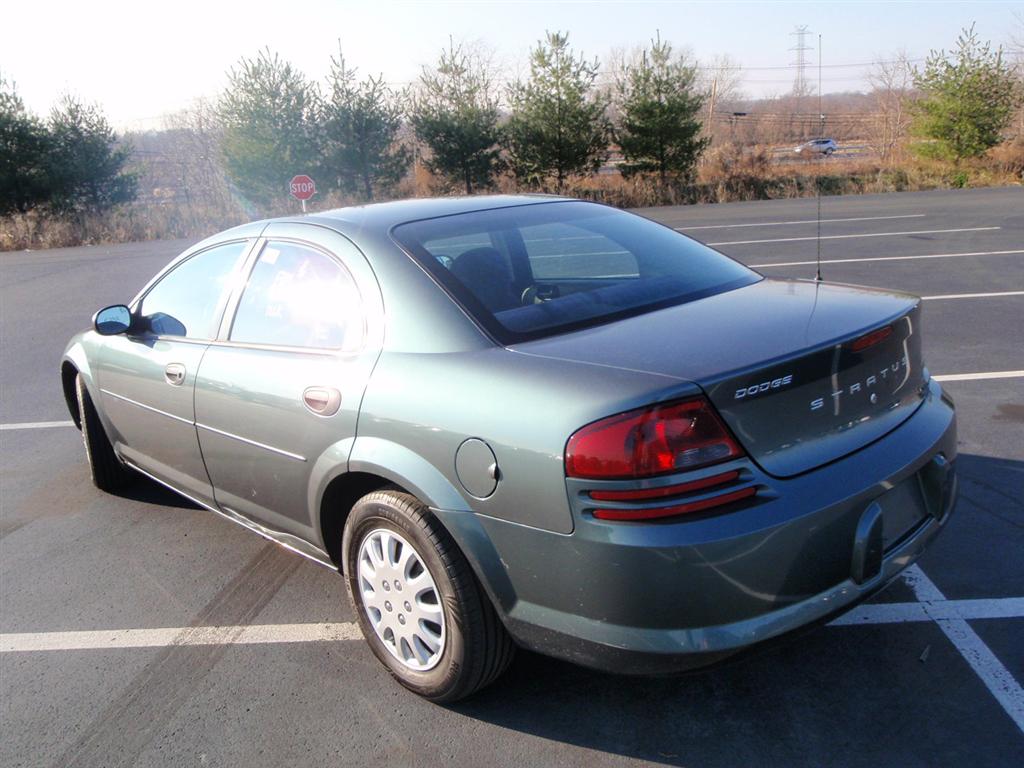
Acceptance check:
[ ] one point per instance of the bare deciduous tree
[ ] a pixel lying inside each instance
(1015, 52)
(721, 80)
(192, 159)
(892, 83)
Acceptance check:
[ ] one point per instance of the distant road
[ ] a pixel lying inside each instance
(852, 150)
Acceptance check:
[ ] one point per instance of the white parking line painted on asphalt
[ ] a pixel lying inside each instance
(979, 376)
(36, 425)
(996, 677)
(102, 639)
(973, 295)
(802, 221)
(889, 258)
(864, 234)
(901, 613)
(106, 639)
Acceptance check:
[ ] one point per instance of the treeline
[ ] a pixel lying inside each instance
(560, 121)
(69, 164)
(360, 135)
(465, 130)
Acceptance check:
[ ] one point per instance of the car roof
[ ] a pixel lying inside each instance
(384, 216)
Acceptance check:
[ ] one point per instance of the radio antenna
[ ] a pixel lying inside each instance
(821, 159)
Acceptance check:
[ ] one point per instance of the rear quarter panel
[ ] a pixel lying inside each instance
(441, 380)
(524, 407)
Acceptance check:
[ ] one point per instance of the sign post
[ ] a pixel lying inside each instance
(302, 188)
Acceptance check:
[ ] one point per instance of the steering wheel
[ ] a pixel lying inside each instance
(538, 294)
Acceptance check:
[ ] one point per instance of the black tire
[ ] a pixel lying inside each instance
(108, 472)
(477, 649)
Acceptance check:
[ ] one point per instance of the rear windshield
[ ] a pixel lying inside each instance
(536, 270)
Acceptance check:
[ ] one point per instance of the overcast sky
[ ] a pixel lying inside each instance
(141, 60)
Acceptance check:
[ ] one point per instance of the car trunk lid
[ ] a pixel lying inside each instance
(817, 406)
(802, 372)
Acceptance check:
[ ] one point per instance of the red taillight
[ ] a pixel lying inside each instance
(646, 494)
(650, 441)
(870, 339)
(690, 507)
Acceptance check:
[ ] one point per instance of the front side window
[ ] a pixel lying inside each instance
(297, 296)
(188, 300)
(534, 270)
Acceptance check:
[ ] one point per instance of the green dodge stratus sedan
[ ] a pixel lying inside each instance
(529, 422)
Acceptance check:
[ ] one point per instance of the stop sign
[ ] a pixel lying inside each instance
(302, 187)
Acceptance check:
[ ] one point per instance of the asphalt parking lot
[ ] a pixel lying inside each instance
(107, 659)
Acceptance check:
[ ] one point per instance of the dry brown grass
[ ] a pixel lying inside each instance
(38, 229)
(730, 175)
(137, 222)
(1007, 159)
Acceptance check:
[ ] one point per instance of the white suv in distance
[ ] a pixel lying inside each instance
(817, 146)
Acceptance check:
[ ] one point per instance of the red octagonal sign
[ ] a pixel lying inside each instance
(302, 187)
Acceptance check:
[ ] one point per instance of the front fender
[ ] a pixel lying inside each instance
(74, 361)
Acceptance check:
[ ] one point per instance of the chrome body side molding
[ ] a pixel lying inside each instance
(149, 408)
(247, 441)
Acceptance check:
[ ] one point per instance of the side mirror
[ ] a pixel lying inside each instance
(111, 321)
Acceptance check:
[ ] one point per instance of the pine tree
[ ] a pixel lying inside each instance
(361, 125)
(660, 105)
(269, 113)
(455, 114)
(85, 164)
(24, 143)
(967, 99)
(558, 125)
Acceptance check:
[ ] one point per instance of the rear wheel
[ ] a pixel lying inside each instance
(418, 603)
(108, 472)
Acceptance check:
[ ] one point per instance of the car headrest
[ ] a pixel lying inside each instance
(488, 276)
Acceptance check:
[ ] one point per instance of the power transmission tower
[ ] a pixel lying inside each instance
(800, 86)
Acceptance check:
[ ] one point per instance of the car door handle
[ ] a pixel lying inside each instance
(323, 401)
(174, 373)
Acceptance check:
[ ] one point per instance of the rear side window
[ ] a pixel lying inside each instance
(189, 300)
(530, 271)
(298, 296)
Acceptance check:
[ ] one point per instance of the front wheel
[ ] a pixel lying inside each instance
(108, 473)
(418, 603)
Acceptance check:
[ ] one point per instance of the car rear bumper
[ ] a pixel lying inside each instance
(639, 650)
(658, 598)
